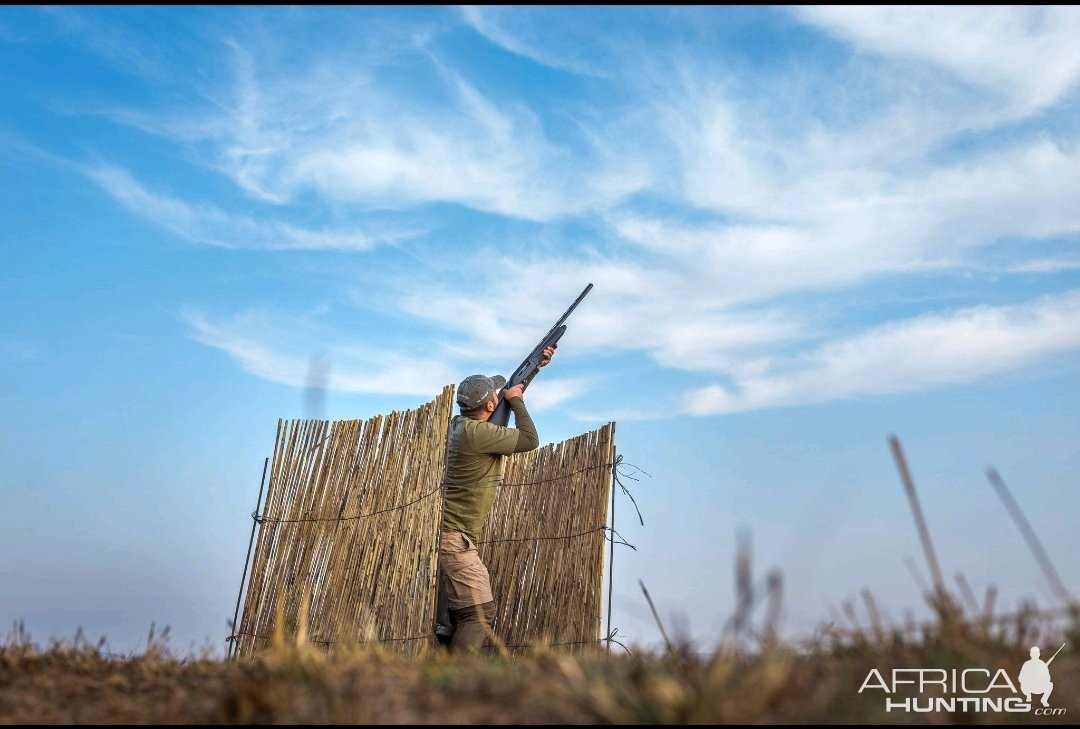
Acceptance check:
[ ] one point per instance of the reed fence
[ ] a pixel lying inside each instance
(543, 543)
(347, 545)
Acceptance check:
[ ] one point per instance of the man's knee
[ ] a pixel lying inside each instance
(471, 626)
(474, 613)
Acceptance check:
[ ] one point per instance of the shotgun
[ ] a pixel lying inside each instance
(501, 416)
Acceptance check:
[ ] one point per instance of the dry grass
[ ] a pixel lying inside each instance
(775, 683)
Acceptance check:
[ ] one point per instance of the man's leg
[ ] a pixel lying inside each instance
(470, 627)
(468, 584)
(1046, 696)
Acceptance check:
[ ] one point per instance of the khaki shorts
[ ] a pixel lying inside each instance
(467, 579)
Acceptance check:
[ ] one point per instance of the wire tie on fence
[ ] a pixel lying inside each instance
(619, 461)
(615, 473)
(620, 538)
(611, 639)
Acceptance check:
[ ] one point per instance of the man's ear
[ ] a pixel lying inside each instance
(493, 403)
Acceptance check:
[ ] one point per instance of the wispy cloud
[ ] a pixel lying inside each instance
(1028, 54)
(279, 347)
(477, 156)
(905, 356)
(1037, 265)
(510, 28)
(1027, 190)
(16, 147)
(633, 307)
(208, 225)
(113, 41)
(740, 158)
(546, 392)
(370, 143)
(698, 202)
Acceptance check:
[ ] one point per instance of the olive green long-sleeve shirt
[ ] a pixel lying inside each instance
(474, 466)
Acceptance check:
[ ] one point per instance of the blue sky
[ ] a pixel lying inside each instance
(807, 228)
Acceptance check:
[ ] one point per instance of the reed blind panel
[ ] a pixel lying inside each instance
(348, 536)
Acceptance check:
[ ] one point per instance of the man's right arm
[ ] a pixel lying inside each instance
(527, 435)
(501, 440)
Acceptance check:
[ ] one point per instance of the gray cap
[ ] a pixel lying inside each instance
(474, 390)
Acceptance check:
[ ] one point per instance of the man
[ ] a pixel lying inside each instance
(1035, 677)
(474, 469)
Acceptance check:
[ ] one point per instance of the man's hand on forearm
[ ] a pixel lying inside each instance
(516, 391)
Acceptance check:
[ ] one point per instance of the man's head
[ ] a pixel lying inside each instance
(1034, 651)
(477, 392)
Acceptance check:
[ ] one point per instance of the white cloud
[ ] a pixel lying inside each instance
(287, 349)
(1029, 53)
(815, 232)
(281, 348)
(730, 264)
(510, 29)
(1028, 190)
(546, 392)
(618, 415)
(720, 201)
(110, 38)
(376, 145)
(744, 157)
(1038, 265)
(209, 225)
(812, 217)
(721, 161)
(926, 351)
(342, 126)
(665, 310)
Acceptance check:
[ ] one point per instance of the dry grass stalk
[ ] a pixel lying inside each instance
(1031, 538)
(920, 521)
